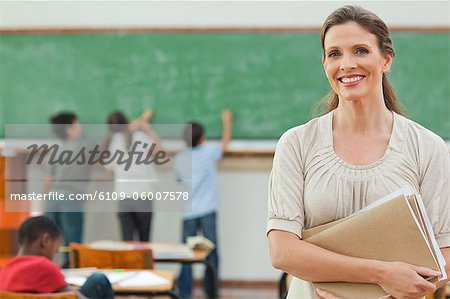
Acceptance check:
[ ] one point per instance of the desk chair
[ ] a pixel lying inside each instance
(83, 256)
(62, 295)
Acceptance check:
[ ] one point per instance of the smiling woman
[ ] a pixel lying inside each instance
(360, 150)
(354, 64)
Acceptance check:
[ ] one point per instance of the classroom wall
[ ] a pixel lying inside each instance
(241, 219)
(116, 14)
(243, 246)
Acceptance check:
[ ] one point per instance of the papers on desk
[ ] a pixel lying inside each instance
(141, 278)
(396, 228)
(168, 251)
(78, 276)
(76, 280)
(118, 277)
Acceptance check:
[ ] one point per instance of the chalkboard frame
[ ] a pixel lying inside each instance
(201, 30)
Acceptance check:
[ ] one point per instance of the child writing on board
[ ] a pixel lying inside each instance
(202, 181)
(68, 179)
(135, 215)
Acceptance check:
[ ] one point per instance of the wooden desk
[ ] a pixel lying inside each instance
(200, 257)
(157, 290)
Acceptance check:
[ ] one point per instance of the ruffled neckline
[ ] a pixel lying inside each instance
(394, 145)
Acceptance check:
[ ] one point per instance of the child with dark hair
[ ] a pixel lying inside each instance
(195, 167)
(33, 271)
(135, 215)
(193, 134)
(70, 178)
(63, 124)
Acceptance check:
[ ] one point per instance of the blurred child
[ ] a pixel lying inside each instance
(33, 271)
(134, 214)
(196, 168)
(69, 178)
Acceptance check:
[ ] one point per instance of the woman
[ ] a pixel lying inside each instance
(134, 213)
(360, 150)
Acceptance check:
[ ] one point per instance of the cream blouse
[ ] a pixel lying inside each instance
(310, 185)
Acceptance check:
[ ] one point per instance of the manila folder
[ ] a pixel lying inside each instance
(389, 232)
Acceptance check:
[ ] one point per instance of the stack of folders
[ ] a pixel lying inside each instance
(394, 228)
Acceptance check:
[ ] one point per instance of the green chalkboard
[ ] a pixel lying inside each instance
(270, 81)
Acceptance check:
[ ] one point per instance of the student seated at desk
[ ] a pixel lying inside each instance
(33, 271)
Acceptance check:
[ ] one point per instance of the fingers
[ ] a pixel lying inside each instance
(326, 295)
(427, 286)
(426, 272)
(322, 294)
(423, 284)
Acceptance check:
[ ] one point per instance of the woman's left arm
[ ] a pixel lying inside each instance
(445, 252)
(435, 191)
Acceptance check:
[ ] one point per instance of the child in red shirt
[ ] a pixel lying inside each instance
(33, 271)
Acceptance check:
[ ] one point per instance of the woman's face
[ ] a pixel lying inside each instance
(353, 62)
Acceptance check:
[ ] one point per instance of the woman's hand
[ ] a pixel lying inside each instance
(326, 295)
(405, 281)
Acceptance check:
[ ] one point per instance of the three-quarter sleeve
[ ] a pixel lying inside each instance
(285, 205)
(435, 188)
